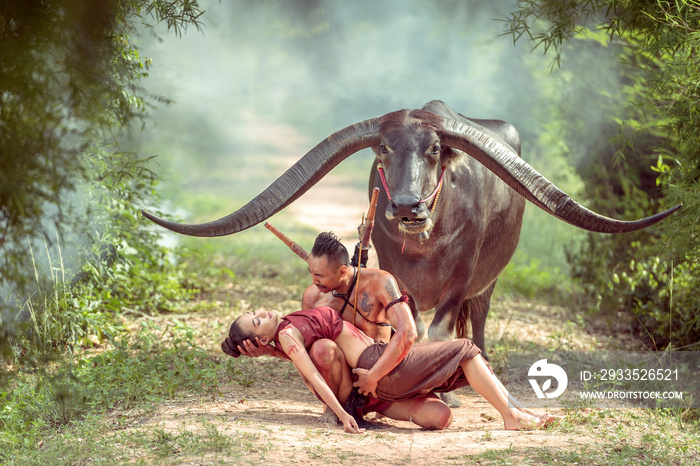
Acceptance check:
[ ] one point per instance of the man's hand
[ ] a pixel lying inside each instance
(249, 349)
(365, 384)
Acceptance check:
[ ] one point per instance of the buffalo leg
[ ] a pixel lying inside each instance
(443, 325)
(420, 326)
(477, 309)
(441, 329)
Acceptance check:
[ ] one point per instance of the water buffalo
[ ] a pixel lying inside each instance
(455, 191)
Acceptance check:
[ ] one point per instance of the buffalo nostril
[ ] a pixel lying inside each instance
(405, 205)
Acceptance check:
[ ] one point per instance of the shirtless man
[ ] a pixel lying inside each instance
(380, 306)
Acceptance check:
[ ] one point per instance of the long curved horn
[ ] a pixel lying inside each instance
(519, 175)
(298, 179)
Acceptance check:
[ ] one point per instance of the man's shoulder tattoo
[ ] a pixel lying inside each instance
(391, 289)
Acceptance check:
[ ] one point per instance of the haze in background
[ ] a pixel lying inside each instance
(266, 81)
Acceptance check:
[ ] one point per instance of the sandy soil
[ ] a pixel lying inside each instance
(282, 421)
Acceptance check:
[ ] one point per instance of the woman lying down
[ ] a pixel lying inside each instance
(296, 332)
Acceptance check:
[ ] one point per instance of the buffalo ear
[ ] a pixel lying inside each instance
(448, 155)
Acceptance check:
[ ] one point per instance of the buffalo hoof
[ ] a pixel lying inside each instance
(450, 399)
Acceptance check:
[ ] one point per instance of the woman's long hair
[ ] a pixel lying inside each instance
(236, 337)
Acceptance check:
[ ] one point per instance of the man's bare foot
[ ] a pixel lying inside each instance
(519, 420)
(328, 417)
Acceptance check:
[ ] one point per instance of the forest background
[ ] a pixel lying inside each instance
(191, 108)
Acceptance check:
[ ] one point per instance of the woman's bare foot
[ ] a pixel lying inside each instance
(529, 411)
(328, 417)
(519, 420)
(549, 418)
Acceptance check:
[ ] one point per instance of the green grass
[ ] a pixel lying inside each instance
(620, 437)
(84, 412)
(95, 441)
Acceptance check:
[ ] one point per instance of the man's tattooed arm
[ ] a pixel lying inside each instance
(392, 289)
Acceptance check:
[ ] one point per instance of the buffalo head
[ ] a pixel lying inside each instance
(411, 165)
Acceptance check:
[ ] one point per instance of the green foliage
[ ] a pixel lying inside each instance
(646, 159)
(125, 269)
(532, 279)
(156, 364)
(625, 441)
(68, 89)
(165, 444)
(662, 298)
(68, 86)
(128, 267)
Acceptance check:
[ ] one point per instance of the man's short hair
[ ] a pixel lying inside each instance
(327, 244)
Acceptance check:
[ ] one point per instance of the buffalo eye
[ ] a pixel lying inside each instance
(436, 149)
(383, 149)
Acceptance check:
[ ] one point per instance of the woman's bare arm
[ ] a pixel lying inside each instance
(291, 341)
